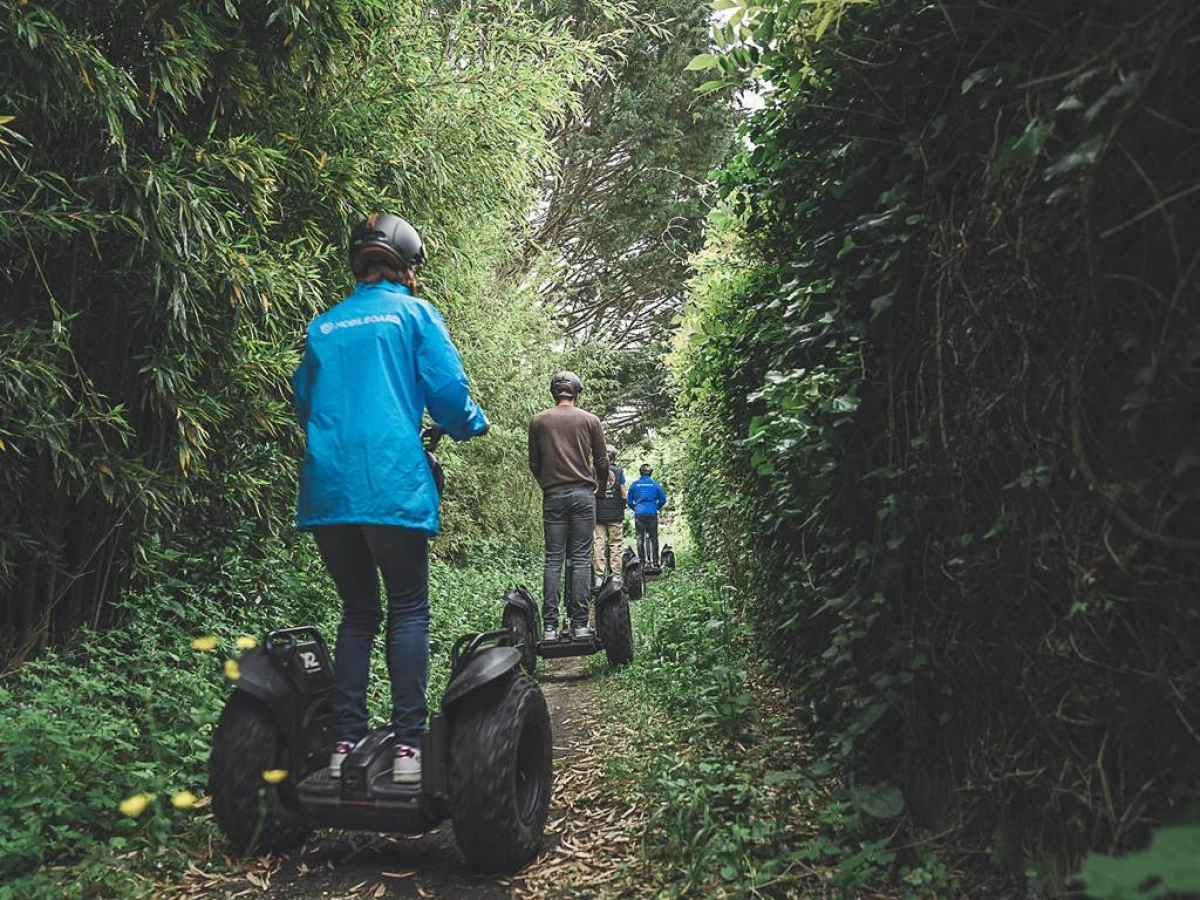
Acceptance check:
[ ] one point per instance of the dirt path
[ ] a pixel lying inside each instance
(337, 865)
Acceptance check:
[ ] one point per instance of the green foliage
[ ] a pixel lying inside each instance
(715, 825)
(937, 402)
(1169, 866)
(175, 190)
(736, 805)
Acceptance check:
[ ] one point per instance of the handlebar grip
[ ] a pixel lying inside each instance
(432, 436)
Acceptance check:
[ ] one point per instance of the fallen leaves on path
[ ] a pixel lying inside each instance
(594, 832)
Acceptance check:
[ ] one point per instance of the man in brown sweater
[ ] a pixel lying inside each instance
(567, 455)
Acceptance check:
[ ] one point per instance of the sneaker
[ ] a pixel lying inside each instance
(407, 767)
(550, 634)
(340, 751)
(582, 633)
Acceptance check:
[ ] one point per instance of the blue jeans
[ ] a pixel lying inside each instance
(568, 518)
(354, 555)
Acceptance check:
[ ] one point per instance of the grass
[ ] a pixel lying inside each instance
(736, 805)
(131, 711)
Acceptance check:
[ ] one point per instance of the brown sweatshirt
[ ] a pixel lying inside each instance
(565, 443)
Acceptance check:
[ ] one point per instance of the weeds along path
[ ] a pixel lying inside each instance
(338, 865)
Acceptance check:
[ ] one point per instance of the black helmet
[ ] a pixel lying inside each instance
(612, 452)
(645, 469)
(387, 239)
(565, 384)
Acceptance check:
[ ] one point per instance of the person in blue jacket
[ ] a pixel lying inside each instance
(646, 497)
(372, 365)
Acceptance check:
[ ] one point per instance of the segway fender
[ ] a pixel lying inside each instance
(609, 591)
(635, 578)
(264, 682)
(520, 599)
(486, 667)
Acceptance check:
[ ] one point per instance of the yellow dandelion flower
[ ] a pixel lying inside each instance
(232, 670)
(183, 800)
(205, 644)
(134, 806)
(274, 776)
(245, 642)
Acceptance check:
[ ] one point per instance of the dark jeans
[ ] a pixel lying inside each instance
(353, 553)
(568, 517)
(647, 538)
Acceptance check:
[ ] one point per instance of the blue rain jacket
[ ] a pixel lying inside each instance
(371, 366)
(645, 497)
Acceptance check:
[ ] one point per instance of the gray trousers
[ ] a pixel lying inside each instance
(568, 517)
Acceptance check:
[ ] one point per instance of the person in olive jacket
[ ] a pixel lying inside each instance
(610, 522)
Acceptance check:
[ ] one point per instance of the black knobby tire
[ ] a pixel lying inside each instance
(501, 774)
(520, 633)
(616, 630)
(635, 583)
(248, 810)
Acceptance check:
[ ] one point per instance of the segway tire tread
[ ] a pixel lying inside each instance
(247, 743)
(517, 625)
(501, 776)
(616, 631)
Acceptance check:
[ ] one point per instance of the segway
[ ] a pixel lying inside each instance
(632, 575)
(486, 759)
(668, 557)
(614, 630)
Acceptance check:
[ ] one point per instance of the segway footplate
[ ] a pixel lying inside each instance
(320, 784)
(384, 791)
(571, 647)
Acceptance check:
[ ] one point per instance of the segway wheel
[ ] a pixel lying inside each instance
(616, 631)
(521, 636)
(635, 582)
(249, 811)
(501, 775)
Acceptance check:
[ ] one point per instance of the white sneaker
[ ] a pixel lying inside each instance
(407, 767)
(550, 634)
(340, 751)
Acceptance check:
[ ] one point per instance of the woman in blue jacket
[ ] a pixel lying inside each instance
(372, 365)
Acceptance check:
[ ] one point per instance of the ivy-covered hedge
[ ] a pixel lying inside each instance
(941, 381)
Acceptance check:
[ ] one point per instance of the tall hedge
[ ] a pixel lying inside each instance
(176, 184)
(942, 394)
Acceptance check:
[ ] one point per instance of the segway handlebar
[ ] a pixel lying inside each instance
(432, 435)
(472, 643)
(281, 644)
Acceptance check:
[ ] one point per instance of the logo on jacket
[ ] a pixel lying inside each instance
(390, 318)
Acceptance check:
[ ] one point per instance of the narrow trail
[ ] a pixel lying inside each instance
(338, 865)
